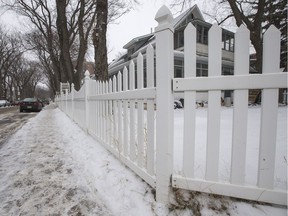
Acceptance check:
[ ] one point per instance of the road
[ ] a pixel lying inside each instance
(11, 120)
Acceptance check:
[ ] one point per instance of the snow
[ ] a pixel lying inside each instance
(51, 167)
(252, 148)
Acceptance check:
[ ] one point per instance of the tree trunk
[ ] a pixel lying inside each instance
(64, 40)
(82, 48)
(1, 87)
(99, 41)
(254, 27)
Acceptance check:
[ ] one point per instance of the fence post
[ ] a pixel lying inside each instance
(86, 94)
(61, 93)
(66, 99)
(72, 100)
(164, 124)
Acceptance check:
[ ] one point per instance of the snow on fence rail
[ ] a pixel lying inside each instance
(122, 117)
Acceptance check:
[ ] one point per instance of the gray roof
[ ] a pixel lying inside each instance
(181, 17)
(134, 40)
(176, 21)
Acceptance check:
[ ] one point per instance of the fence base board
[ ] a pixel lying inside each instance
(227, 189)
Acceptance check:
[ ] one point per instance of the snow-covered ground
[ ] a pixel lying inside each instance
(11, 120)
(51, 167)
(252, 149)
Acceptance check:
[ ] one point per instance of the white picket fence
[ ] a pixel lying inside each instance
(123, 118)
(120, 116)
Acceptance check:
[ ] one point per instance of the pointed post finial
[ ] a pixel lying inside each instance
(164, 18)
(87, 74)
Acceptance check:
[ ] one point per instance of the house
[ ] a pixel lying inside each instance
(194, 16)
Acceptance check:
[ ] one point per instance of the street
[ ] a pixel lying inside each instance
(11, 120)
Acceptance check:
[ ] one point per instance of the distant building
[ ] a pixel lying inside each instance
(194, 16)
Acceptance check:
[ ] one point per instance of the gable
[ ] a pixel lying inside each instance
(187, 16)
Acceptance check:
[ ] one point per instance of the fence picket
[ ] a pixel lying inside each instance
(115, 136)
(190, 102)
(239, 134)
(110, 119)
(214, 104)
(132, 112)
(101, 112)
(120, 120)
(98, 110)
(93, 109)
(269, 101)
(150, 112)
(125, 114)
(106, 114)
(140, 122)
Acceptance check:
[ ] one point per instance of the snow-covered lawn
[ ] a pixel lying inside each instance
(51, 167)
(252, 149)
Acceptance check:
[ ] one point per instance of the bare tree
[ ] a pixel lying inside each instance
(11, 48)
(99, 41)
(72, 21)
(64, 28)
(257, 16)
(107, 12)
(25, 75)
(64, 40)
(37, 42)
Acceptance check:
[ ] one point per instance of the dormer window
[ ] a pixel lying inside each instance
(202, 34)
(179, 39)
(191, 16)
(228, 42)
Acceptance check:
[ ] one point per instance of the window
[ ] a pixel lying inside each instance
(201, 70)
(178, 39)
(202, 34)
(227, 70)
(205, 35)
(178, 69)
(228, 42)
(231, 48)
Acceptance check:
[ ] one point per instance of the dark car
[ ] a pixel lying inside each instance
(30, 104)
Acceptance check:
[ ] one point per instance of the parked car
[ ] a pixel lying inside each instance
(4, 103)
(30, 104)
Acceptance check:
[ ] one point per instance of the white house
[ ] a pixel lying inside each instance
(194, 16)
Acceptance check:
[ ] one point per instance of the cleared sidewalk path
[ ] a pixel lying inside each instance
(50, 167)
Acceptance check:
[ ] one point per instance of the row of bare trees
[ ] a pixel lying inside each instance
(18, 76)
(61, 32)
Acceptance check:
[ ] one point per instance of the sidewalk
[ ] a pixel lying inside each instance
(51, 167)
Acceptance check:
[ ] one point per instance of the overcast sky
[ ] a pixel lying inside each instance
(138, 22)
